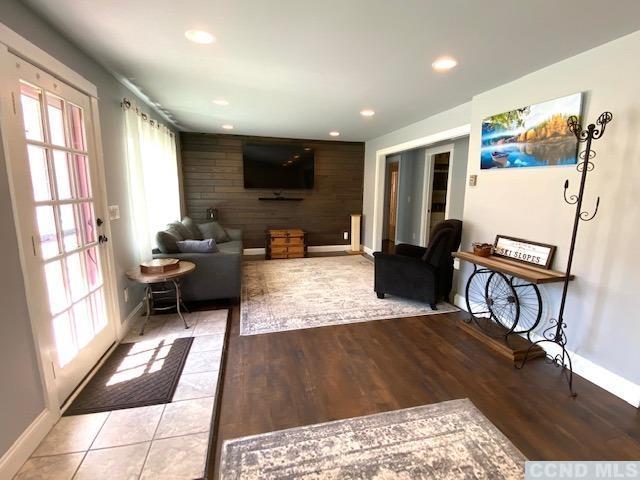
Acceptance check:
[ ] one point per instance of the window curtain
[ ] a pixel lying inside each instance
(153, 177)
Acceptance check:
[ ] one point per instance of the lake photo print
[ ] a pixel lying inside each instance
(533, 136)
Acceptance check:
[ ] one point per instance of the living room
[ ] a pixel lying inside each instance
(363, 253)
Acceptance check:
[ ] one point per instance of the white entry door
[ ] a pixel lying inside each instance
(52, 153)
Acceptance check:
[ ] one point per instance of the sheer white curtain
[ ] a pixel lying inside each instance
(153, 177)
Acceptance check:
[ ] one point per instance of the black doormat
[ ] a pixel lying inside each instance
(135, 375)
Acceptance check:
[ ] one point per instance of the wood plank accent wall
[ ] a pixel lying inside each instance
(212, 172)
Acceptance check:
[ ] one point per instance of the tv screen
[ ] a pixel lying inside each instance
(277, 166)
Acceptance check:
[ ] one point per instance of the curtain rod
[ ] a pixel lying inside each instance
(126, 104)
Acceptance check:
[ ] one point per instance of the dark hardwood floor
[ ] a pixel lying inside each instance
(283, 380)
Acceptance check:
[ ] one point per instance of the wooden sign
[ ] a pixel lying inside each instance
(525, 251)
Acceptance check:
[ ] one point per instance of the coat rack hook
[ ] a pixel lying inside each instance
(585, 215)
(571, 199)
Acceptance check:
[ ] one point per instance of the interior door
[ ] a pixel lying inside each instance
(52, 163)
(393, 201)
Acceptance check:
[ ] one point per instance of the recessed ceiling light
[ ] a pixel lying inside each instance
(199, 36)
(221, 101)
(444, 63)
(227, 127)
(367, 112)
(334, 133)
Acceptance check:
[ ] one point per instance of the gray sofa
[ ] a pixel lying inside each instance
(217, 275)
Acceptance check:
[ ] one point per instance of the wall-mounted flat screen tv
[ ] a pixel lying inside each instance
(277, 166)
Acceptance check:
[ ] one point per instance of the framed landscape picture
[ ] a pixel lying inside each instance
(533, 136)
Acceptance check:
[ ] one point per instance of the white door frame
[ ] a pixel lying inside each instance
(11, 42)
(380, 172)
(425, 220)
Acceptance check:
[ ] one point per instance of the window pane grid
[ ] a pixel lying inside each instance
(61, 180)
(71, 304)
(62, 148)
(66, 254)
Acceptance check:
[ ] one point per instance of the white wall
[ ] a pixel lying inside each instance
(410, 187)
(602, 309)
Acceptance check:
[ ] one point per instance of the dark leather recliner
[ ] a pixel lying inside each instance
(420, 273)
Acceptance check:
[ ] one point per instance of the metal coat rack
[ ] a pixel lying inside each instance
(555, 333)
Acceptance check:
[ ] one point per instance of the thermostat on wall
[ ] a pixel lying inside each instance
(114, 212)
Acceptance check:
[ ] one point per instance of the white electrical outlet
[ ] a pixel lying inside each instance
(345, 235)
(114, 212)
(126, 295)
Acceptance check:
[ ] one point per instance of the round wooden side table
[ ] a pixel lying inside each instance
(151, 279)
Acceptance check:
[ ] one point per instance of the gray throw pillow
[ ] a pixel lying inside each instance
(194, 231)
(183, 231)
(214, 230)
(167, 242)
(198, 246)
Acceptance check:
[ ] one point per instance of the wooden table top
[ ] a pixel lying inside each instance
(183, 269)
(531, 273)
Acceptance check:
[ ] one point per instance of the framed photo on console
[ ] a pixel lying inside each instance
(525, 251)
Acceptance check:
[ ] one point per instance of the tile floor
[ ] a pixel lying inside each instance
(156, 442)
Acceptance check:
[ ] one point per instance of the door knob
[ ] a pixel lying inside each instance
(99, 222)
(102, 239)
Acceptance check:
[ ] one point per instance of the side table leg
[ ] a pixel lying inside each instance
(147, 304)
(178, 302)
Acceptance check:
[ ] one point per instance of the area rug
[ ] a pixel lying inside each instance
(135, 375)
(279, 295)
(447, 440)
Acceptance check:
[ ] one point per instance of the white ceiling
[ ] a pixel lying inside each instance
(300, 68)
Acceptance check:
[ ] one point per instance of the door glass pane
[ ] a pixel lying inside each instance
(77, 282)
(81, 164)
(92, 264)
(39, 171)
(82, 322)
(55, 112)
(99, 312)
(47, 229)
(63, 178)
(69, 228)
(30, 100)
(58, 299)
(76, 127)
(65, 344)
(88, 223)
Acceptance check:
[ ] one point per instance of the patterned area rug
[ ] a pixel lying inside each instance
(280, 295)
(447, 440)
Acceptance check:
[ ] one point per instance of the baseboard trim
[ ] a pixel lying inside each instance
(311, 248)
(254, 251)
(600, 376)
(25, 445)
(328, 248)
(126, 325)
(367, 250)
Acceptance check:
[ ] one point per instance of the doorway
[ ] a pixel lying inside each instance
(391, 203)
(437, 184)
(54, 171)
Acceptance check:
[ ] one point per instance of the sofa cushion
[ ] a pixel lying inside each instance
(214, 230)
(197, 246)
(183, 232)
(231, 247)
(167, 242)
(194, 231)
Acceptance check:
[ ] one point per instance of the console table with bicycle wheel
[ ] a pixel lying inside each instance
(504, 302)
